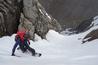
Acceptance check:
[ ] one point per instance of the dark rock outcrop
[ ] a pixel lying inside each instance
(91, 36)
(84, 25)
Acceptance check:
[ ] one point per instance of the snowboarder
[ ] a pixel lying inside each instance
(22, 41)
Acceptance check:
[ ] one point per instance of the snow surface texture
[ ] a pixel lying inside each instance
(56, 50)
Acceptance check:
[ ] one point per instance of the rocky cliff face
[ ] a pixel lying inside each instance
(71, 12)
(37, 20)
(9, 16)
(33, 18)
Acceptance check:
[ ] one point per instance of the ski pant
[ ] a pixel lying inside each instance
(23, 46)
(26, 45)
(15, 45)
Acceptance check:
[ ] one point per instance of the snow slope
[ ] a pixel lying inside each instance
(56, 50)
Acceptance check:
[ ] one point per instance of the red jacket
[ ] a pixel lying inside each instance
(21, 35)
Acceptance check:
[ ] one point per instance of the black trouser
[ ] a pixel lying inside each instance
(23, 46)
(18, 42)
(26, 46)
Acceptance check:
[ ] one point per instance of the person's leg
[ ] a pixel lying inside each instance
(14, 47)
(22, 47)
(29, 48)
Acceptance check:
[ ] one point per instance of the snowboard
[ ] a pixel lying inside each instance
(38, 54)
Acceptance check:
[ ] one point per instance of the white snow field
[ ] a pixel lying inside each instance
(56, 50)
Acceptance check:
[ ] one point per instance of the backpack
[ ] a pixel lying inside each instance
(20, 35)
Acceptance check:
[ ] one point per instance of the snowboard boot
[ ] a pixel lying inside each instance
(13, 55)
